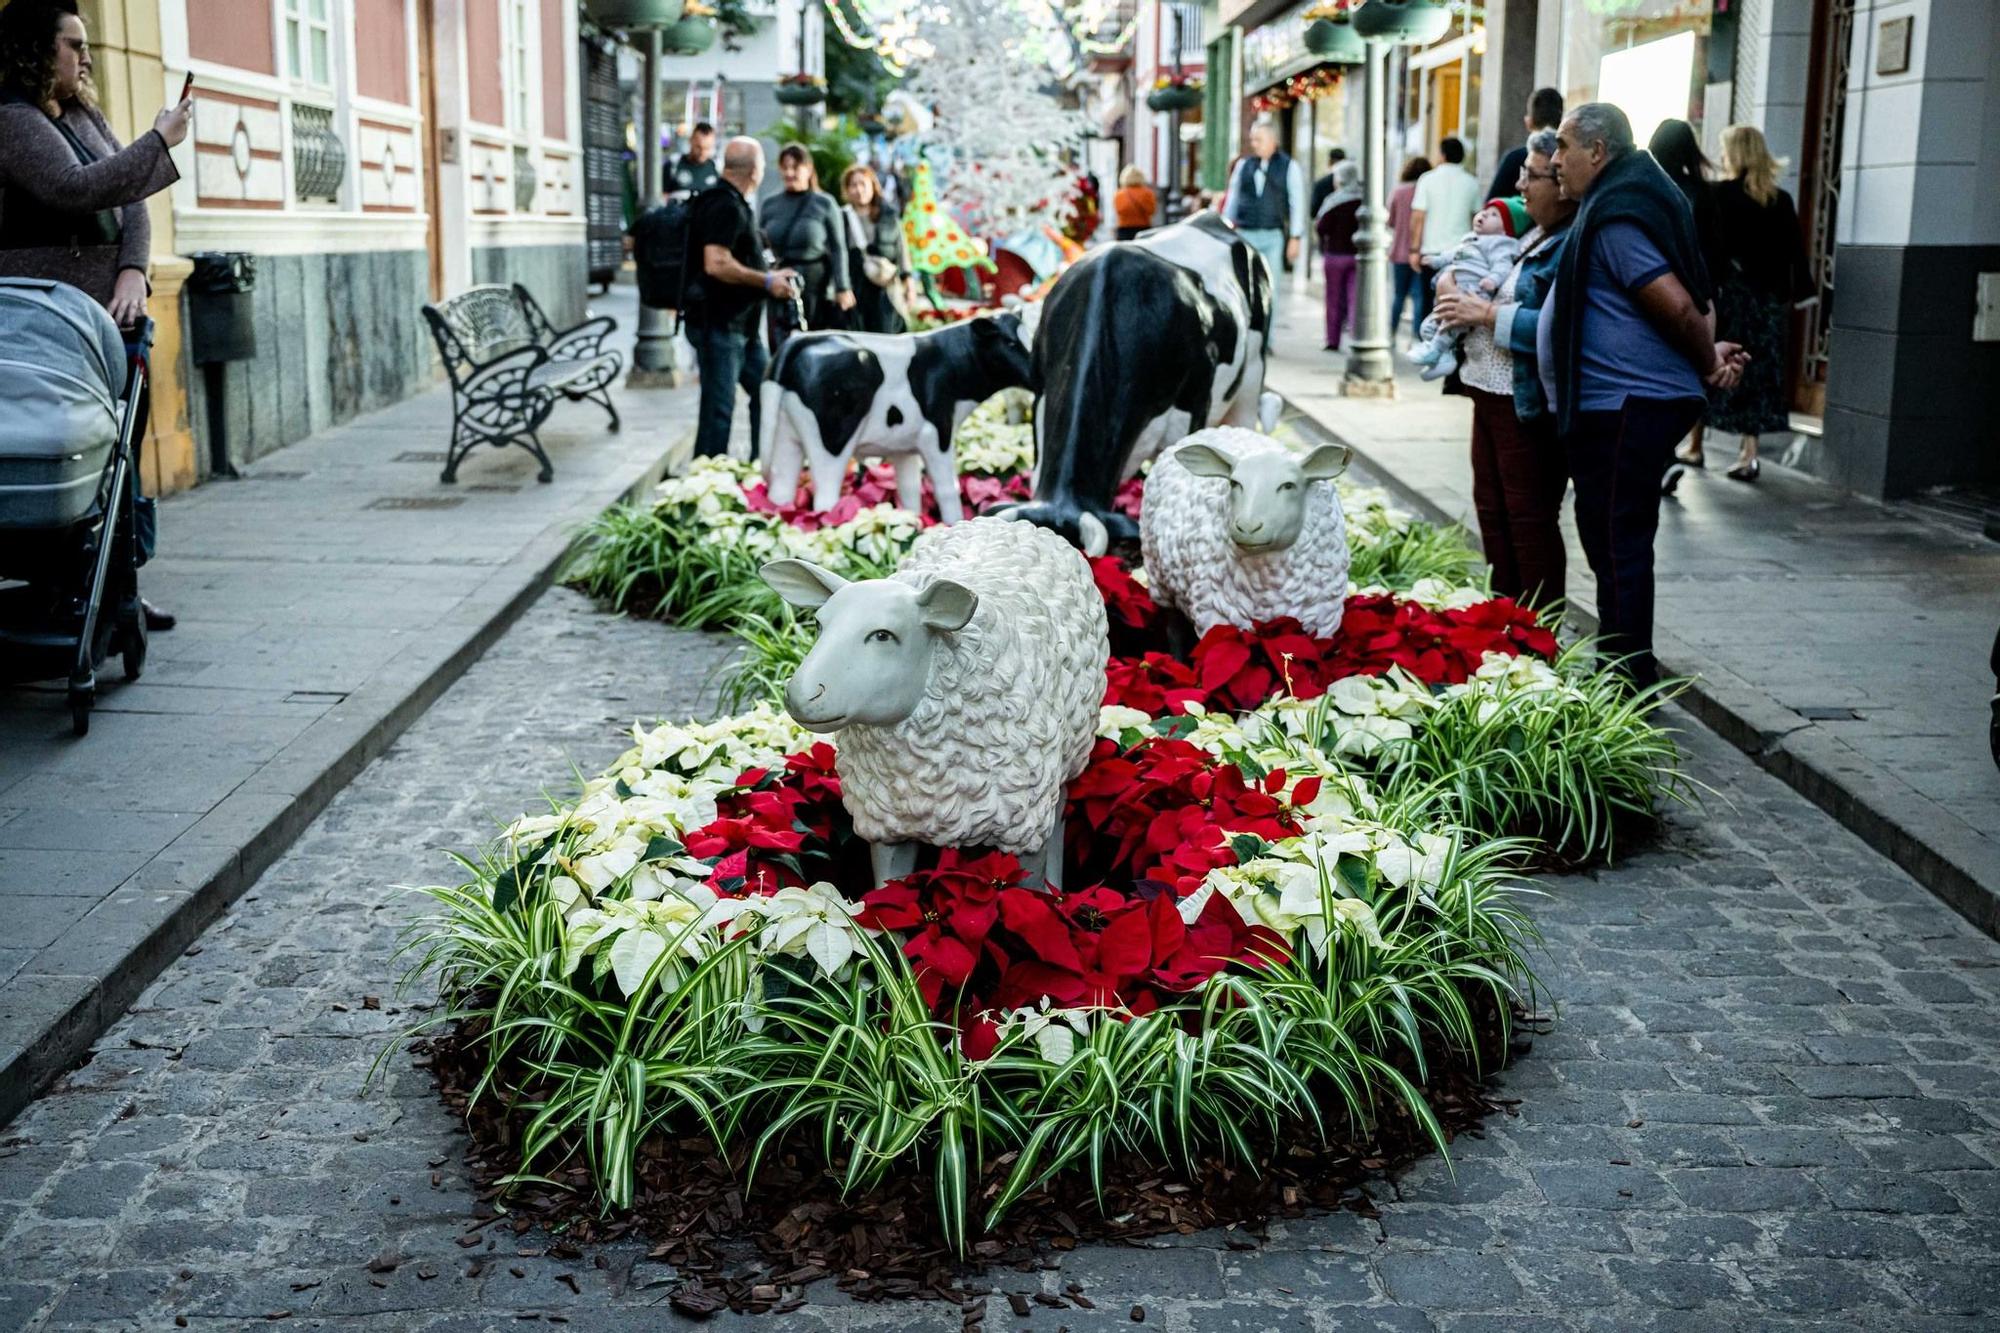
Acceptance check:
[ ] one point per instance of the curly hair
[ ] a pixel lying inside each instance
(28, 31)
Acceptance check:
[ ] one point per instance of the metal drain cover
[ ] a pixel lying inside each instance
(1827, 713)
(416, 502)
(421, 456)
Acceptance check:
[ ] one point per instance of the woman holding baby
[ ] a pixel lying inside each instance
(1517, 471)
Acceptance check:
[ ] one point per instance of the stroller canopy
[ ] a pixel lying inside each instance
(62, 371)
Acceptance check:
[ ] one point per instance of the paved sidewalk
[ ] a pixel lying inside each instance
(324, 601)
(1771, 1102)
(1843, 643)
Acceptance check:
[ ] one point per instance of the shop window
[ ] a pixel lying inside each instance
(520, 27)
(1649, 57)
(309, 41)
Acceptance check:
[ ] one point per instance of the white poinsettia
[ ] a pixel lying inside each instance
(633, 936)
(987, 443)
(1435, 594)
(1052, 1028)
(1420, 864)
(816, 922)
(1114, 720)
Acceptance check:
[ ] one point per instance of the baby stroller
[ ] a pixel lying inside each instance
(70, 548)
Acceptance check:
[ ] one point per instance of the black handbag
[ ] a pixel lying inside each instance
(105, 226)
(36, 228)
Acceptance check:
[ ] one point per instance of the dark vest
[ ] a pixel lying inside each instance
(1272, 209)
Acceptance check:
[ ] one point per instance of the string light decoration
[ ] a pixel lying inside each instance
(1309, 86)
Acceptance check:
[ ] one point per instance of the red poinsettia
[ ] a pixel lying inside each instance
(1125, 598)
(945, 915)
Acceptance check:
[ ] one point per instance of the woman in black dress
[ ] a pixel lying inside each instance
(1679, 154)
(1762, 275)
(807, 235)
(875, 249)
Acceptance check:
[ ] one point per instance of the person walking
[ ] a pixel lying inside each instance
(1338, 219)
(695, 171)
(1440, 213)
(1518, 477)
(878, 257)
(727, 296)
(1134, 204)
(809, 237)
(1545, 112)
(1267, 205)
(1761, 274)
(1324, 186)
(1400, 270)
(1679, 154)
(1627, 350)
(72, 198)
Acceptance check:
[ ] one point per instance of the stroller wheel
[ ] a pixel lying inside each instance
(80, 702)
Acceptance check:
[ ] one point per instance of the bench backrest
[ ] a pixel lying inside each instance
(477, 325)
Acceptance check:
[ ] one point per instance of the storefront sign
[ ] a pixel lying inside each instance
(1276, 50)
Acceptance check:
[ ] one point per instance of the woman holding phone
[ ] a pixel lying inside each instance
(72, 198)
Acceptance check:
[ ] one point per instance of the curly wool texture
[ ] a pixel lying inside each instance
(1193, 564)
(1010, 712)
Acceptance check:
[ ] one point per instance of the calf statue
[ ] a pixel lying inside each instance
(1138, 344)
(832, 397)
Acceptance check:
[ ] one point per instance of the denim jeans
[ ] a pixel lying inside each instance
(726, 358)
(1406, 290)
(1616, 460)
(1271, 245)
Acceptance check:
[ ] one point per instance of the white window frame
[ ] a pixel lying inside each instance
(295, 17)
(521, 29)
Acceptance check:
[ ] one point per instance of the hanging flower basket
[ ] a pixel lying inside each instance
(1403, 22)
(801, 90)
(1175, 97)
(691, 36)
(635, 15)
(1334, 40)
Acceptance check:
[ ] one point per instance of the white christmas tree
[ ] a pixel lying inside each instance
(1001, 143)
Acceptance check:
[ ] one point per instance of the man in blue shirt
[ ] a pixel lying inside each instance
(1625, 358)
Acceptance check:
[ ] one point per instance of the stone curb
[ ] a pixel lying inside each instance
(1935, 847)
(165, 905)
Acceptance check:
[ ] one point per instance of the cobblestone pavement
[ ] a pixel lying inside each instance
(1773, 1099)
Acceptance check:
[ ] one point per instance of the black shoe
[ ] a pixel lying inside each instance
(1745, 471)
(1672, 481)
(156, 619)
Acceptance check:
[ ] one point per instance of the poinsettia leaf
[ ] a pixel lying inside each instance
(511, 884)
(662, 846)
(625, 793)
(1352, 871)
(633, 953)
(1247, 846)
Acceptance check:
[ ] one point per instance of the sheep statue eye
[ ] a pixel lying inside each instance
(881, 636)
(1288, 485)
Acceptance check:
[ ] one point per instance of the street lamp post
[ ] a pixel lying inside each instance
(1371, 372)
(653, 355)
(1172, 209)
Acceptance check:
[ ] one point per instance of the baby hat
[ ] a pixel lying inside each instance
(1514, 213)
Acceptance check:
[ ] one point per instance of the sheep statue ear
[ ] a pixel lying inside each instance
(1093, 536)
(1326, 462)
(1204, 460)
(802, 583)
(946, 605)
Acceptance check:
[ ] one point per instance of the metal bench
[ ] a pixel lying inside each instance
(508, 365)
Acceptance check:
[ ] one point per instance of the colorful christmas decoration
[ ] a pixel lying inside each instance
(937, 242)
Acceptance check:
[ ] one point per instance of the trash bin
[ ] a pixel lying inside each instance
(221, 323)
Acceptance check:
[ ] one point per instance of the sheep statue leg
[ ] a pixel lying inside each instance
(1051, 857)
(1269, 405)
(891, 860)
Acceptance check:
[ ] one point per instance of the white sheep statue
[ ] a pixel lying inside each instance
(1236, 528)
(965, 688)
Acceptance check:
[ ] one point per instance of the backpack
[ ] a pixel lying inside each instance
(660, 243)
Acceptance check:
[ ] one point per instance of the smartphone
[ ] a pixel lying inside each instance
(187, 86)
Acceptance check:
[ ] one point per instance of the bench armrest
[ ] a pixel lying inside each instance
(584, 341)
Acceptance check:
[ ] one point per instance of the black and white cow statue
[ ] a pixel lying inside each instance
(832, 397)
(1139, 344)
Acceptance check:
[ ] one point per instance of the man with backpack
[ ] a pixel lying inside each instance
(725, 288)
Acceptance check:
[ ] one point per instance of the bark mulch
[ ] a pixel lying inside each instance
(754, 1249)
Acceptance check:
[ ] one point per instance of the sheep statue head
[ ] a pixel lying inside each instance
(1267, 490)
(872, 660)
